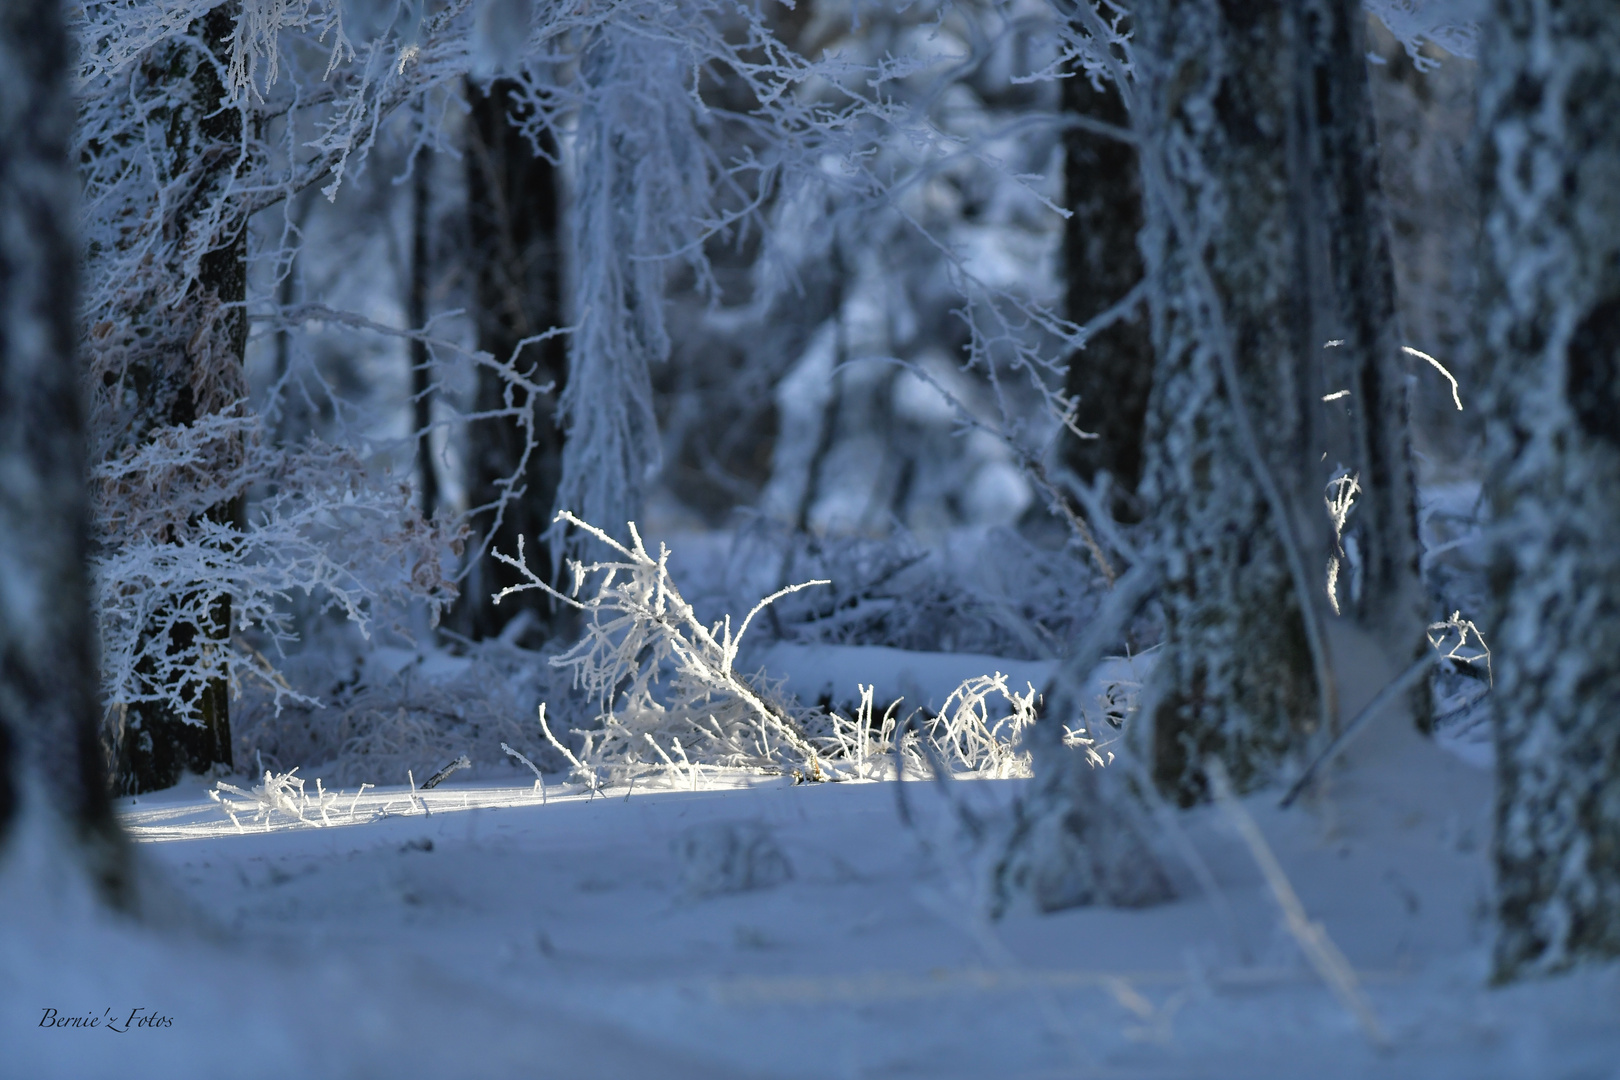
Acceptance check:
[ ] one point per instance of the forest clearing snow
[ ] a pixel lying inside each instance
(481, 930)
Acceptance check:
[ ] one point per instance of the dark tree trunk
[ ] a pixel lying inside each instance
(1369, 434)
(416, 314)
(1110, 377)
(517, 259)
(1550, 342)
(198, 373)
(49, 748)
(1265, 241)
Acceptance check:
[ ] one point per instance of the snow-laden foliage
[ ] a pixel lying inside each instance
(198, 118)
(663, 165)
(947, 356)
(204, 527)
(643, 189)
(165, 565)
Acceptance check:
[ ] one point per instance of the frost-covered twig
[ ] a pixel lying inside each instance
(539, 781)
(1441, 368)
(439, 777)
(588, 775)
(282, 792)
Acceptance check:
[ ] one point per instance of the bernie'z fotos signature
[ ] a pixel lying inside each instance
(137, 1018)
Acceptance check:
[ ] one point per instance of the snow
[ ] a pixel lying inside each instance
(479, 930)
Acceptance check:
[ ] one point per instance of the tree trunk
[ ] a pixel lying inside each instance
(1550, 329)
(427, 473)
(197, 371)
(517, 259)
(50, 757)
(1368, 434)
(1264, 242)
(1110, 377)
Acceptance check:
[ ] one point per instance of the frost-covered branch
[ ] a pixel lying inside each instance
(640, 631)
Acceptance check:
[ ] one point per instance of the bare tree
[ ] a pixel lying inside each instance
(50, 757)
(517, 264)
(1110, 377)
(1550, 329)
(416, 305)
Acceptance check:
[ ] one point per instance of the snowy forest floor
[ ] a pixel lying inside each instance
(489, 934)
(756, 928)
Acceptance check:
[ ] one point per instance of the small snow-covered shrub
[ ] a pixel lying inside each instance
(971, 734)
(967, 729)
(277, 793)
(661, 679)
(666, 687)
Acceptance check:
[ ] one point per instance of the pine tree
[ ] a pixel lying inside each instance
(50, 757)
(1550, 342)
(642, 192)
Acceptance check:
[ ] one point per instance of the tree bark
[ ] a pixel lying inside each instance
(1369, 434)
(517, 259)
(193, 369)
(1264, 241)
(1109, 378)
(50, 756)
(416, 314)
(1550, 343)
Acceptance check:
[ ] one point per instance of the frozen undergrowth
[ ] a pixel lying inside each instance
(671, 699)
(283, 793)
(664, 703)
(1452, 526)
(374, 714)
(334, 533)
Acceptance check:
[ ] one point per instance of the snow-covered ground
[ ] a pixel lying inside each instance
(477, 930)
(713, 923)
